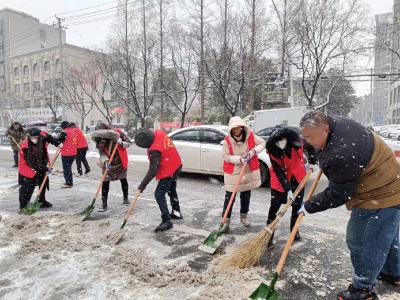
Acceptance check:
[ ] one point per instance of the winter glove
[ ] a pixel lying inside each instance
(107, 165)
(250, 154)
(302, 210)
(290, 196)
(60, 145)
(243, 160)
(313, 167)
(119, 141)
(49, 171)
(140, 189)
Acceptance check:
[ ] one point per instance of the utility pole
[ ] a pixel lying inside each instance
(61, 60)
(161, 62)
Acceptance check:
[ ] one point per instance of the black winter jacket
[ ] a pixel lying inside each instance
(346, 154)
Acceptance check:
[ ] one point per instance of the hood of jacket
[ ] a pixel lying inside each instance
(104, 134)
(292, 137)
(238, 122)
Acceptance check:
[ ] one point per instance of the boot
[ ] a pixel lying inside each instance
(87, 171)
(176, 215)
(164, 225)
(244, 220)
(356, 294)
(126, 201)
(104, 205)
(225, 227)
(103, 209)
(45, 204)
(395, 280)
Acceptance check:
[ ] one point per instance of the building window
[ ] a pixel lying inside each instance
(36, 86)
(47, 84)
(58, 65)
(26, 71)
(36, 68)
(27, 87)
(17, 89)
(16, 72)
(47, 66)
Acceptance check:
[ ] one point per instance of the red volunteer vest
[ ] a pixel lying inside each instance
(123, 154)
(170, 159)
(23, 168)
(254, 164)
(293, 166)
(81, 140)
(70, 144)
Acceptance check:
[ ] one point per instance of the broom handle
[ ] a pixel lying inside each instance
(289, 242)
(132, 206)
(105, 172)
(299, 188)
(47, 174)
(235, 188)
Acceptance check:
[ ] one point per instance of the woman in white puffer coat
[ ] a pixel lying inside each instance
(241, 146)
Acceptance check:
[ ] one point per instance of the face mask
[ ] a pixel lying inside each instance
(34, 140)
(281, 144)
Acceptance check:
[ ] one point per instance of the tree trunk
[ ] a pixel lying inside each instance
(183, 117)
(161, 62)
(82, 121)
(202, 85)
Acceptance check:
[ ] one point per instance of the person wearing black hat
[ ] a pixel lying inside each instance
(32, 168)
(16, 134)
(165, 165)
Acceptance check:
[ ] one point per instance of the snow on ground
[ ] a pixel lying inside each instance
(53, 255)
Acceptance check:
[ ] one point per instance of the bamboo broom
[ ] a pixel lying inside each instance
(250, 252)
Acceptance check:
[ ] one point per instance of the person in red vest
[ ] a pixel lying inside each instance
(82, 148)
(240, 146)
(285, 149)
(32, 167)
(68, 153)
(118, 168)
(165, 165)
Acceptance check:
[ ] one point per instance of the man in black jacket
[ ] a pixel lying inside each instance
(364, 174)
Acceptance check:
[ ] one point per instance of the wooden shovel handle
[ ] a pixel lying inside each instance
(47, 174)
(235, 188)
(132, 206)
(289, 242)
(299, 188)
(106, 171)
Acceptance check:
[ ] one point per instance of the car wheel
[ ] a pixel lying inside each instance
(265, 176)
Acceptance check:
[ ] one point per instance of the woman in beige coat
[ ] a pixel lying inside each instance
(241, 146)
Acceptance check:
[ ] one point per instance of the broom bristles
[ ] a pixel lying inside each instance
(250, 252)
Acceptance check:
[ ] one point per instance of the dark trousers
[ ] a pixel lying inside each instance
(16, 153)
(106, 187)
(278, 198)
(27, 187)
(67, 162)
(244, 202)
(81, 158)
(164, 186)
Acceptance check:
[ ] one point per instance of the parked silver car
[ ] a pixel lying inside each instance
(200, 148)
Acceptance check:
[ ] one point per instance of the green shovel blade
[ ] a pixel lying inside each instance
(123, 224)
(88, 210)
(264, 292)
(212, 238)
(32, 207)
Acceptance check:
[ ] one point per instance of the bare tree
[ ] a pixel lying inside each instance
(183, 59)
(227, 65)
(75, 86)
(325, 34)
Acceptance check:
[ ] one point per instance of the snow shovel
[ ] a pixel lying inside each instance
(88, 210)
(31, 208)
(265, 292)
(128, 213)
(215, 238)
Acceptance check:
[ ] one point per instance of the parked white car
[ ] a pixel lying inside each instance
(200, 148)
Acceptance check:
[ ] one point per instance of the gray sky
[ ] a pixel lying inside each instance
(92, 34)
